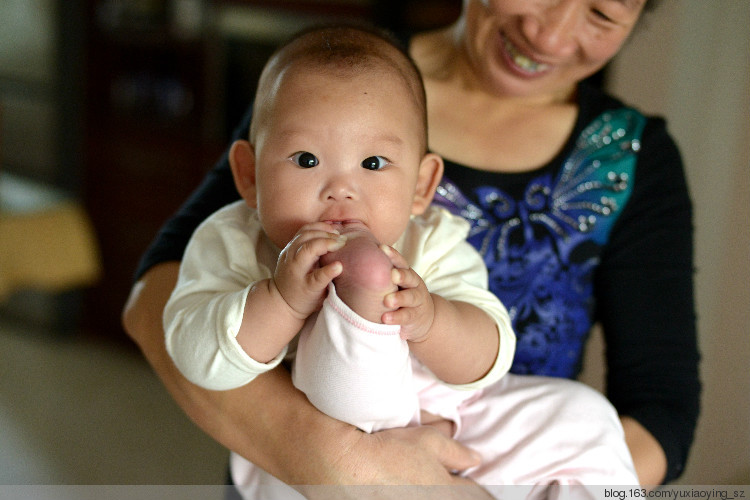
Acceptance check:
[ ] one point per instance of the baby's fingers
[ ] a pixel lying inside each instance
(320, 277)
(311, 245)
(405, 278)
(404, 298)
(396, 258)
(299, 260)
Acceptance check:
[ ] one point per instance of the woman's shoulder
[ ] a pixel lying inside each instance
(654, 141)
(595, 101)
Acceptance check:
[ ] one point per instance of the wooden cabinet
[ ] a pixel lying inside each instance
(150, 135)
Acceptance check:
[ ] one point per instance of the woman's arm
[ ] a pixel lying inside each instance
(648, 455)
(645, 304)
(272, 424)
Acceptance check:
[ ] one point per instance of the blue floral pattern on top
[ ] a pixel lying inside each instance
(541, 250)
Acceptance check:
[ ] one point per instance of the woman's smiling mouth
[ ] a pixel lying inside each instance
(520, 61)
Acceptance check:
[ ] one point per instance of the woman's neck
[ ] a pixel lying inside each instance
(497, 132)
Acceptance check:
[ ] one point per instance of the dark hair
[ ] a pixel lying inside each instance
(349, 41)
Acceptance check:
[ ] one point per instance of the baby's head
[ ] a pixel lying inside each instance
(339, 135)
(343, 52)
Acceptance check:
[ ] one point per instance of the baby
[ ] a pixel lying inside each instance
(335, 262)
(328, 259)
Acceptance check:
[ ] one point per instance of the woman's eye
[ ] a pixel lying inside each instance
(374, 163)
(602, 16)
(305, 159)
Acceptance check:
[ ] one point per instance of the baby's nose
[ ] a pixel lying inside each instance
(339, 188)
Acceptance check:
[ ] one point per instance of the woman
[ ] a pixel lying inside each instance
(580, 209)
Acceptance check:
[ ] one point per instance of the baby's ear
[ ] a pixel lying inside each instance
(242, 162)
(430, 174)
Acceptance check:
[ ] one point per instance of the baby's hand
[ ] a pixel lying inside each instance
(299, 278)
(413, 303)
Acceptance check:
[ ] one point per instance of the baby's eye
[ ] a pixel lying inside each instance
(374, 162)
(305, 159)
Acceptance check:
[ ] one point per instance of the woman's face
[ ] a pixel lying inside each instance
(542, 48)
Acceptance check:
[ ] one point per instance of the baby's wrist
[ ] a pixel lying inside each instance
(283, 305)
(426, 332)
(267, 326)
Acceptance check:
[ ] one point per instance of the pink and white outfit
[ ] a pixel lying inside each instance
(529, 430)
(354, 370)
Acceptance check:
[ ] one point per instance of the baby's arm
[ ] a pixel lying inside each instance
(366, 276)
(462, 344)
(276, 308)
(456, 341)
(224, 324)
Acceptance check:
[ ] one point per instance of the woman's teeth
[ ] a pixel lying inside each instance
(526, 64)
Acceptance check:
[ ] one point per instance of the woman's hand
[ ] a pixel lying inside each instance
(412, 462)
(416, 455)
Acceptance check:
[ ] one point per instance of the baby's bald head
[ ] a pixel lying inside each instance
(343, 52)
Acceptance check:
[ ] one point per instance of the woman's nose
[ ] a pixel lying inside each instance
(551, 30)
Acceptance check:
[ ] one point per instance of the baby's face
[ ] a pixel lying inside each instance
(341, 150)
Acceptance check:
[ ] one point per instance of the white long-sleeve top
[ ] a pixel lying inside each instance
(229, 252)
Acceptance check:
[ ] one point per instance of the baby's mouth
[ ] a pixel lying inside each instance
(347, 225)
(522, 62)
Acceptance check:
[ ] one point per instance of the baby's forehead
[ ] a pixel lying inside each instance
(375, 66)
(301, 73)
(356, 98)
(344, 59)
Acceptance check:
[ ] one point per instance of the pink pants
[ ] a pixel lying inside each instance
(529, 430)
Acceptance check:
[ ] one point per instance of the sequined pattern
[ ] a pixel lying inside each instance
(541, 249)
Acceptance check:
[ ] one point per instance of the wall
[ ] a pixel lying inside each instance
(27, 78)
(699, 79)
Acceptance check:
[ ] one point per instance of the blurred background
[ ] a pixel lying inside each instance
(111, 111)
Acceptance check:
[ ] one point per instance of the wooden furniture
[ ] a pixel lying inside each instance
(150, 136)
(47, 245)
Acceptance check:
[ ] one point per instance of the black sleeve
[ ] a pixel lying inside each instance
(216, 190)
(644, 290)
